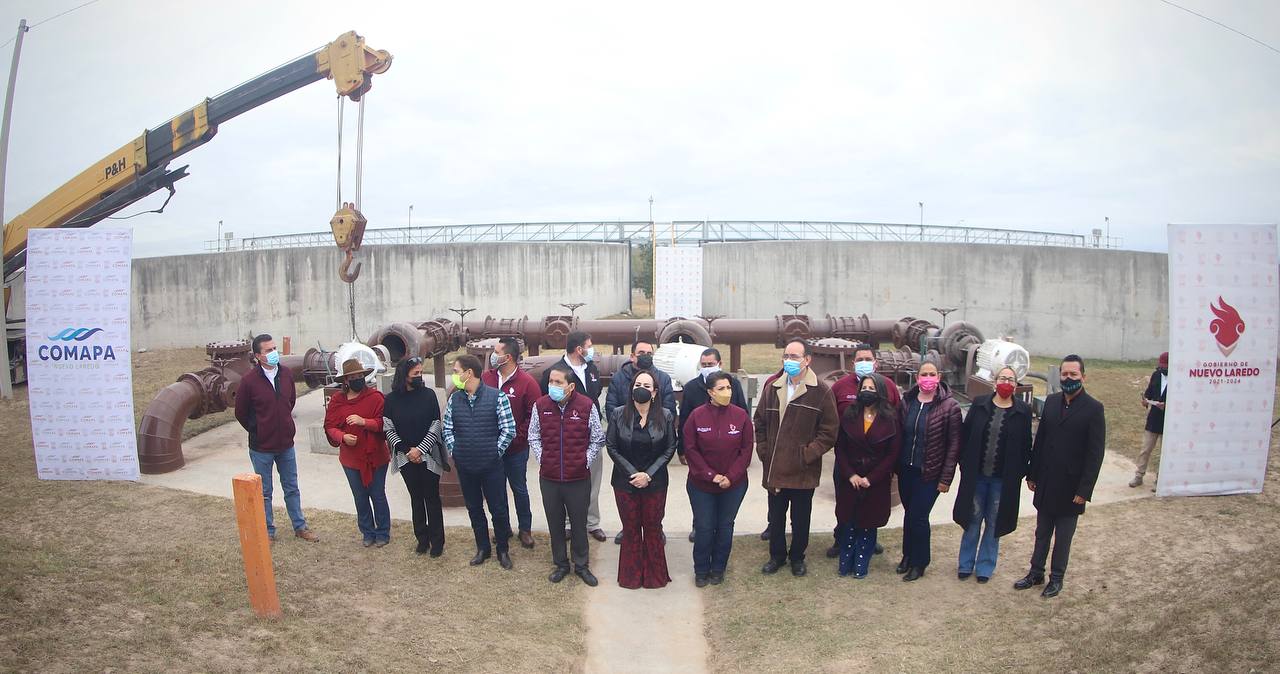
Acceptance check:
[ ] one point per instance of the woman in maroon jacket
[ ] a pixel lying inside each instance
(930, 448)
(866, 449)
(353, 421)
(718, 442)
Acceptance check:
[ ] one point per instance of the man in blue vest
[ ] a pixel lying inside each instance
(478, 428)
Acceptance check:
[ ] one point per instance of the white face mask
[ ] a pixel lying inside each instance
(708, 371)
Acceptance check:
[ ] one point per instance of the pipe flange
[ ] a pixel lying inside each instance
(684, 330)
(792, 327)
(228, 350)
(831, 346)
(556, 329)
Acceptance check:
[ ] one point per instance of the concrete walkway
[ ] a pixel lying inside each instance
(665, 625)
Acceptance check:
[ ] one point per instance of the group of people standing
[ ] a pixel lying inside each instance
(495, 418)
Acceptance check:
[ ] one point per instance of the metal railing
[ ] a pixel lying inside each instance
(679, 232)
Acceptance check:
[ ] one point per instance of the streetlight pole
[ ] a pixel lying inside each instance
(653, 252)
(1108, 220)
(218, 244)
(921, 221)
(410, 223)
(6, 383)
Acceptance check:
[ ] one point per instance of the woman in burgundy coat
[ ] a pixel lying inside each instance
(866, 449)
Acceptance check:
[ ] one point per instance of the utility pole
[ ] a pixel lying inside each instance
(653, 256)
(410, 223)
(217, 244)
(921, 221)
(1108, 220)
(6, 383)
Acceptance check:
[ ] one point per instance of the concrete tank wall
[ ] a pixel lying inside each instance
(1107, 304)
(190, 300)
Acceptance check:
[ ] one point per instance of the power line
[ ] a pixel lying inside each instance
(1219, 23)
(55, 16)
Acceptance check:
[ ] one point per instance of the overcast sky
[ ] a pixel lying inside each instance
(1018, 114)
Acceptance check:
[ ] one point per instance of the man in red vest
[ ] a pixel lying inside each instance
(565, 437)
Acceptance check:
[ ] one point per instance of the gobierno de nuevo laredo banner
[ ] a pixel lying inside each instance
(1224, 314)
(80, 385)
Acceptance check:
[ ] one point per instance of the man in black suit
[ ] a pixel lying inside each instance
(1154, 400)
(1065, 461)
(579, 353)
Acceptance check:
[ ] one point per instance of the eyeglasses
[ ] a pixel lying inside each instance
(1006, 380)
(416, 360)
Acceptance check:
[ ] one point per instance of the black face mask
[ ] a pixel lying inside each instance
(868, 398)
(416, 383)
(641, 395)
(356, 385)
(1071, 385)
(1162, 370)
(644, 361)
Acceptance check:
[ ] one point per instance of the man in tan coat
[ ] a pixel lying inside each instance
(795, 424)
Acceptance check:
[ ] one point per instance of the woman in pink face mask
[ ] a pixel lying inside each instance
(930, 448)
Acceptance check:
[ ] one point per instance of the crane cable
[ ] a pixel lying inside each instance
(351, 288)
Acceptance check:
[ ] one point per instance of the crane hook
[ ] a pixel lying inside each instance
(344, 270)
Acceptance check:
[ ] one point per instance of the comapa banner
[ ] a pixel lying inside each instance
(80, 384)
(1224, 313)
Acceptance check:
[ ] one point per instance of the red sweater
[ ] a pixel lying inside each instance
(718, 441)
(370, 450)
(522, 391)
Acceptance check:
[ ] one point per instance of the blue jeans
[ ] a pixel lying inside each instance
(373, 515)
(515, 466)
(713, 536)
(286, 463)
(986, 503)
(918, 496)
(490, 487)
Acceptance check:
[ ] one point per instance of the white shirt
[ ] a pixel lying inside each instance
(580, 370)
(272, 374)
(1164, 382)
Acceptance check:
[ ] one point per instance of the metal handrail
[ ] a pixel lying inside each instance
(688, 232)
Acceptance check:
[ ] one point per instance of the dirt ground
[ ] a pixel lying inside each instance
(1179, 584)
(126, 577)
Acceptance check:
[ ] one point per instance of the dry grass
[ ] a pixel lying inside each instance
(127, 577)
(1182, 584)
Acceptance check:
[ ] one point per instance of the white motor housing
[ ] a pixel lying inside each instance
(365, 354)
(678, 360)
(997, 353)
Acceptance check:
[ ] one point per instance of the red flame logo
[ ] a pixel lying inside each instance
(1227, 327)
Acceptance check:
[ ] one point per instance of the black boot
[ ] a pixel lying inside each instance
(1029, 581)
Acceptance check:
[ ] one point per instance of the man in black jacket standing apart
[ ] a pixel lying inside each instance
(579, 353)
(1065, 460)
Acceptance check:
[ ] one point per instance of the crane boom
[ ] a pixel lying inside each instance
(140, 167)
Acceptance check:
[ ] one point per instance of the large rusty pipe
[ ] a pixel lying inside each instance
(194, 395)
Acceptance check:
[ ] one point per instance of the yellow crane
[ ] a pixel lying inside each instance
(141, 166)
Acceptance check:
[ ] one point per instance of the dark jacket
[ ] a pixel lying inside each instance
(718, 441)
(1067, 454)
(942, 434)
(695, 395)
(1015, 436)
(1155, 415)
(627, 456)
(791, 437)
(620, 389)
(872, 454)
(477, 430)
(265, 412)
(589, 388)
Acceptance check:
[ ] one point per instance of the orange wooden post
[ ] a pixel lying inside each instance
(251, 520)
